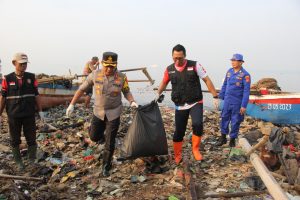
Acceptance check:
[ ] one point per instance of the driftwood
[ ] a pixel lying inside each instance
(273, 187)
(286, 170)
(291, 187)
(75, 125)
(24, 178)
(276, 175)
(231, 195)
(266, 131)
(189, 181)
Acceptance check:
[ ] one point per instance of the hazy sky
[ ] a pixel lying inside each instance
(59, 35)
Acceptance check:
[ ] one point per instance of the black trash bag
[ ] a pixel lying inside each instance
(146, 135)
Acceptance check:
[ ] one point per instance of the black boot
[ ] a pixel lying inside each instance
(106, 165)
(222, 140)
(232, 142)
(18, 159)
(32, 154)
(105, 170)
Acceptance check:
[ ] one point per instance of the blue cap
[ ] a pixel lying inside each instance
(238, 57)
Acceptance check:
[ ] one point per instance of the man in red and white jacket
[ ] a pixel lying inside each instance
(185, 76)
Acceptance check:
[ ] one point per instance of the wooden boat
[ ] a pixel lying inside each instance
(283, 108)
(53, 94)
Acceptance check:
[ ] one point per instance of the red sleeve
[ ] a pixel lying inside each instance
(4, 84)
(4, 88)
(166, 78)
(35, 84)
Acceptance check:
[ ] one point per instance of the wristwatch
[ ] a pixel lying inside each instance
(216, 97)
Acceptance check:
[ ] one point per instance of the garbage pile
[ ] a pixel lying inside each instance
(266, 83)
(281, 154)
(69, 165)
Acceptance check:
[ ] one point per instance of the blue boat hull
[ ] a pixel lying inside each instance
(278, 109)
(275, 113)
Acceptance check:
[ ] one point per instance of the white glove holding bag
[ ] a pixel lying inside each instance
(134, 105)
(42, 116)
(70, 110)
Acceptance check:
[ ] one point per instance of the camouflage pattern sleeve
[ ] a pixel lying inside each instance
(125, 88)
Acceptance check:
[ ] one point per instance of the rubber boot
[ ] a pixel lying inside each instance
(177, 152)
(232, 142)
(32, 154)
(106, 165)
(196, 141)
(17, 157)
(222, 140)
(105, 170)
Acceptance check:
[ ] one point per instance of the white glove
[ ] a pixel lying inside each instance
(216, 103)
(42, 116)
(70, 109)
(134, 104)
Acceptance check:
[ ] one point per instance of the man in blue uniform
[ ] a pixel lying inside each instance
(235, 93)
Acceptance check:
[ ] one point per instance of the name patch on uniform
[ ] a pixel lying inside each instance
(118, 81)
(29, 81)
(117, 85)
(12, 83)
(115, 93)
(171, 72)
(238, 84)
(190, 68)
(99, 82)
(247, 78)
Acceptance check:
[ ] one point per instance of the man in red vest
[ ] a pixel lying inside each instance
(185, 76)
(20, 96)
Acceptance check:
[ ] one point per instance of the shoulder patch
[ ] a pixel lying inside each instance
(247, 78)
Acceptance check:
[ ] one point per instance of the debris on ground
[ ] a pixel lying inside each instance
(69, 163)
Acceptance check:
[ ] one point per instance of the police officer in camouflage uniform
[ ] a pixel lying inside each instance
(108, 84)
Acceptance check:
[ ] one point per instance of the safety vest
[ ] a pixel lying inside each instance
(186, 87)
(20, 100)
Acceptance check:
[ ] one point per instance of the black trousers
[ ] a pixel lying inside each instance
(181, 119)
(96, 133)
(29, 130)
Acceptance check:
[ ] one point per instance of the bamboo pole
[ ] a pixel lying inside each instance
(24, 178)
(252, 92)
(230, 195)
(59, 78)
(273, 187)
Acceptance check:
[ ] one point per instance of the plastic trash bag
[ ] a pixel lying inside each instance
(146, 135)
